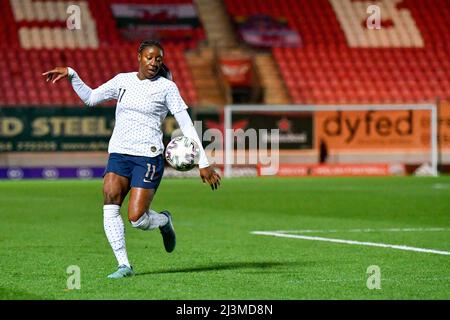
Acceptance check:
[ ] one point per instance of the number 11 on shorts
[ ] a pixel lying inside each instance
(151, 169)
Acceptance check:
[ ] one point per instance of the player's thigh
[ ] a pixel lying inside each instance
(115, 188)
(117, 177)
(145, 179)
(140, 200)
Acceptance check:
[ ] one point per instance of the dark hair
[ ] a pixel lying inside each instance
(164, 71)
(150, 43)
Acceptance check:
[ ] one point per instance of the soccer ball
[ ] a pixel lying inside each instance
(182, 153)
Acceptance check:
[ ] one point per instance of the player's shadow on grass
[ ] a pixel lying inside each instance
(223, 266)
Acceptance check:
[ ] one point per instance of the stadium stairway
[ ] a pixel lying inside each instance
(274, 91)
(221, 38)
(217, 24)
(205, 77)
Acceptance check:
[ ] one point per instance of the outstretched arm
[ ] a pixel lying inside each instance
(207, 173)
(106, 91)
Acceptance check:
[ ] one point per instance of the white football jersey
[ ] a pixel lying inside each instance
(141, 108)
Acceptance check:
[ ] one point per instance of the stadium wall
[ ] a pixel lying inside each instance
(92, 130)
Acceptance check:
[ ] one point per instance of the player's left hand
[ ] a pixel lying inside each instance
(56, 74)
(210, 176)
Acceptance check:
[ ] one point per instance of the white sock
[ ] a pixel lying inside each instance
(115, 232)
(150, 220)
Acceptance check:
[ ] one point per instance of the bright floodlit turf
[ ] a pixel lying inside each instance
(47, 226)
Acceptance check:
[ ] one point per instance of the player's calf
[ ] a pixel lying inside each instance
(148, 220)
(151, 220)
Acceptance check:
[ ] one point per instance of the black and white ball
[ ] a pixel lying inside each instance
(182, 153)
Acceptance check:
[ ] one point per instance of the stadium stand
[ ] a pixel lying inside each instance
(338, 61)
(34, 37)
(304, 52)
(341, 61)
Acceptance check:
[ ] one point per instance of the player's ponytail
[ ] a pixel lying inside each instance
(165, 72)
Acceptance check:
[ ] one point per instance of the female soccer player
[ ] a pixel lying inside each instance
(136, 163)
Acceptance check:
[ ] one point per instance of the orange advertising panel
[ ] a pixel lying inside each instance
(301, 170)
(373, 130)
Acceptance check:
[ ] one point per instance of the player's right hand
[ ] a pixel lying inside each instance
(210, 176)
(56, 74)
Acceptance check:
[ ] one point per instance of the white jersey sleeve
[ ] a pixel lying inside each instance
(174, 101)
(188, 129)
(105, 92)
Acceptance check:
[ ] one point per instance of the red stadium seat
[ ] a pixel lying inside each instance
(324, 69)
(369, 75)
(95, 66)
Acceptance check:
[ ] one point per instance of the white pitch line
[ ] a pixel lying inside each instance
(366, 230)
(371, 244)
(441, 186)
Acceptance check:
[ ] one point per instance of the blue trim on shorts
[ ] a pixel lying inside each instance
(143, 172)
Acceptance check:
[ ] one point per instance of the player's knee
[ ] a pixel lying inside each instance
(134, 215)
(112, 196)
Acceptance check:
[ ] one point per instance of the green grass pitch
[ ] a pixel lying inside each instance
(47, 226)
